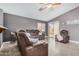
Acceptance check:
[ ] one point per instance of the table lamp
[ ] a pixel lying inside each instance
(2, 28)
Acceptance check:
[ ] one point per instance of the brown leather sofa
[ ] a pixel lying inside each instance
(36, 33)
(27, 49)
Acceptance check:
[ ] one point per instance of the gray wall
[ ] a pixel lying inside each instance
(74, 28)
(1, 23)
(13, 23)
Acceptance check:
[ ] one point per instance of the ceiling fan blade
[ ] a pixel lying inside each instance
(42, 8)
(56, 4)
(50, 3)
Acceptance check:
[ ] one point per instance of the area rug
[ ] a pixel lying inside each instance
(9, 49)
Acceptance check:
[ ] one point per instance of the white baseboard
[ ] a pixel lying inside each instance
(76, 42)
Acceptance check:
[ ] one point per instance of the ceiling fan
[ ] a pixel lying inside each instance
(48, 6)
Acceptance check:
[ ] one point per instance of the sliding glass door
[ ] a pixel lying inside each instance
(53, 29)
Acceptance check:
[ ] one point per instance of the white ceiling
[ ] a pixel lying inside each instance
(31, 10)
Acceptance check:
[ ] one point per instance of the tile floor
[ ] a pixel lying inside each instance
(69, 49)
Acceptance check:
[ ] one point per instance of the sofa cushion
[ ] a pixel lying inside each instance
(23, 39)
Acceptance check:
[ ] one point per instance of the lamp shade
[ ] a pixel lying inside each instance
(2, 28)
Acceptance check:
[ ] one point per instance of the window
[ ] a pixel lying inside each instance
(41, 27)
(70, 22)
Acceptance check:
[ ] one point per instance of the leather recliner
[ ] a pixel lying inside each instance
(65, 35)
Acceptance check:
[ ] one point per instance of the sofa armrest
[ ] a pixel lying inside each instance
(40, 42)
(30, 47)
